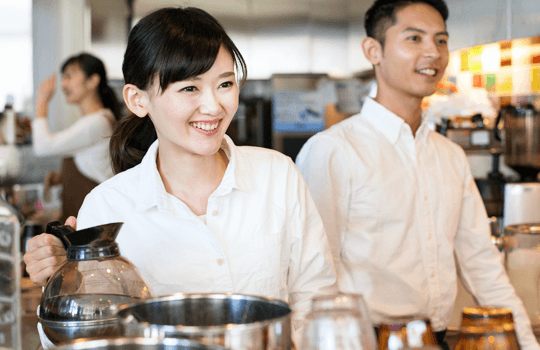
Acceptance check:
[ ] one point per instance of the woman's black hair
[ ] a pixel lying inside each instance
(172, 44)
(91, 65)
(382, 15)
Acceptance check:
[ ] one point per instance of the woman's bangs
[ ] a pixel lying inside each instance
(184, 59)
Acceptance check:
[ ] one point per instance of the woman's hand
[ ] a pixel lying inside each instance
(45, 255)
(44, 95)
(72, 221)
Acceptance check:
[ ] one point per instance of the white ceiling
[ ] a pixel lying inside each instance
(264, 9)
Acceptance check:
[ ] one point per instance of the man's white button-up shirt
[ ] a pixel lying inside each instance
(403, 214)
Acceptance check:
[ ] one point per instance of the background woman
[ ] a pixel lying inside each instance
(84, 145)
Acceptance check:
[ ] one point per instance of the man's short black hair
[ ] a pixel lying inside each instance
(382, 15)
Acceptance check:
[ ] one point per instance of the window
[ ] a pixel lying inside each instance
(16, 54)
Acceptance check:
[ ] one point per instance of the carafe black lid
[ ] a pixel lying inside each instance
(92, 243)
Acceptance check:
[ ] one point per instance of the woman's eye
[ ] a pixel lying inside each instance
(414, 38)
(188, 89)
(227, 84)
(442, 41)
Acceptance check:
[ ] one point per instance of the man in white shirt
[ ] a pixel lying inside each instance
(398, 200)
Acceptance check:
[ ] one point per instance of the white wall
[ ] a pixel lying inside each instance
(294, 48)
(16, 57)
(58, 32)
(525, 18)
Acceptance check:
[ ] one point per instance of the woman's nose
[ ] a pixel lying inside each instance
(210, 103)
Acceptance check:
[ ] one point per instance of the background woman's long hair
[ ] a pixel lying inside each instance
(91, 65)
(170, 44)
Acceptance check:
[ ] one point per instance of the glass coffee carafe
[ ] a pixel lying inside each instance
(81, 298)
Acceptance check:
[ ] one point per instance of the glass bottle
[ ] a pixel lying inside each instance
(406, 332)
(487, 328)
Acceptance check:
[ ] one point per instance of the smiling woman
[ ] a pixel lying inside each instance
(200, 214)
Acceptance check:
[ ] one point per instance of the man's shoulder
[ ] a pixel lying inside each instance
(351, 132)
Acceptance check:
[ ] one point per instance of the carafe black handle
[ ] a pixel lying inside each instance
(60, 231)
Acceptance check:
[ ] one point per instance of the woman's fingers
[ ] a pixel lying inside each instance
(72, 221)
(44, 240)
(45, 254)
(40, 271)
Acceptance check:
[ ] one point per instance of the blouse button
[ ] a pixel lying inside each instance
(220, 261)
(215, 213)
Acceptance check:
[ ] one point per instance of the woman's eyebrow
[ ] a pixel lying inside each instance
(222, 75)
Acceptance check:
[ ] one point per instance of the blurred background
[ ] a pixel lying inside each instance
(306, 72)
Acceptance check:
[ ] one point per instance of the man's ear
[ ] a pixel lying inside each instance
(136, 100)
(372, 50)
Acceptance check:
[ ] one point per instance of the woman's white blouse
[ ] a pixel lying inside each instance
(86, 140)
(263, 235)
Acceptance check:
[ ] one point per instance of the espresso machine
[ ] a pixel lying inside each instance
(519, 130)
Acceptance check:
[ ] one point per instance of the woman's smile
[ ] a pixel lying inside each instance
(207, 127)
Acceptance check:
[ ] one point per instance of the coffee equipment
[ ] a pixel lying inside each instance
(521, 247)
(235, 321)
(492, 188)
(81, 298)
(521, 140)
(489, 328)
(10, 278)
(521, 203)
(139, 344)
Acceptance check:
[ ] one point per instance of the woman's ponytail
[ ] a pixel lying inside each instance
(109, 99)
(131, 139)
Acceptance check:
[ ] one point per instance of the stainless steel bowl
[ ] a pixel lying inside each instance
(230, 320)
(138, 344)
(60, 332)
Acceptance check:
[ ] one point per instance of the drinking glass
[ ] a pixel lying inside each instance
(338, 322)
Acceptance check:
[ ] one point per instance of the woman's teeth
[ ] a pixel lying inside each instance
(205, 126)
(428, 71)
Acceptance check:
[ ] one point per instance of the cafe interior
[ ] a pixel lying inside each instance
(306, 73)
